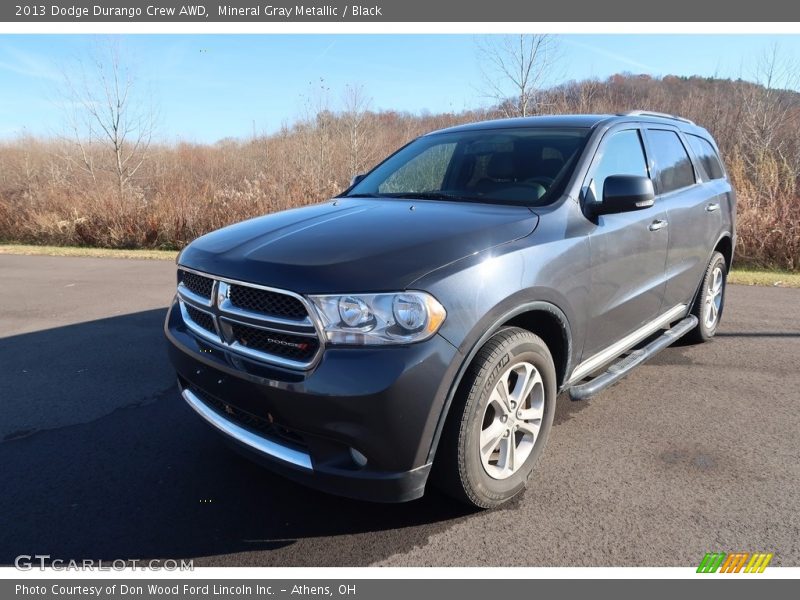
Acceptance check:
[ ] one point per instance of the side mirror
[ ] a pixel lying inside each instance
(623, 193)
(357, 178)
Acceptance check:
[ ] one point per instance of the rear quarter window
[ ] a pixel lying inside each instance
(707, 156)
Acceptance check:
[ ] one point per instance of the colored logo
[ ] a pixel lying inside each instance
(736, 562)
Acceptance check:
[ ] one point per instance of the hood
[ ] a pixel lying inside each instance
(355, 245)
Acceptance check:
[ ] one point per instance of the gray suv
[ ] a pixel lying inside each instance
(422, 324)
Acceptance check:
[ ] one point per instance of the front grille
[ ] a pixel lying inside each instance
(201, 318)
(265, 325)
(196, 283)
(250, 421)
(293, 347)
(267, 302)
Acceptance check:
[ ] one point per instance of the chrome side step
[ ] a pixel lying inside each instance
(618, 348)
(622, 367)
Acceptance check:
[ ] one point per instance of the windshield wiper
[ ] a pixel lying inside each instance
(422, 196)
(425, 195)
(441, 196)
(375, 195)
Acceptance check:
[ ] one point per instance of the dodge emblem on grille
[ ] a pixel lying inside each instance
(299, 346)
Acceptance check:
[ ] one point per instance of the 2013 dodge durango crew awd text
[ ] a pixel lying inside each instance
(423, 322)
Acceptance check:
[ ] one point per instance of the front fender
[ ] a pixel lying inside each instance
(486, 290)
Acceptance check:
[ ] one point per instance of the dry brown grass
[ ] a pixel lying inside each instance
(21, 249)
(186, 190)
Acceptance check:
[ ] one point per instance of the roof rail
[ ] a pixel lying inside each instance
(651, 113)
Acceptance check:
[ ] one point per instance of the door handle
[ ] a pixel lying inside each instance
(657, 224)
(712, 207)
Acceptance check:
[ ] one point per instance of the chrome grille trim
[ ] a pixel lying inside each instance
(270, 304)
(226, 306)
(188, 290)
(195, 328)
(258, 355)
(187, 294)
(268, 327)
(221, 310)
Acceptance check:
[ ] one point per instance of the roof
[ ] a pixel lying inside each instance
(582, 121)
(574, 121)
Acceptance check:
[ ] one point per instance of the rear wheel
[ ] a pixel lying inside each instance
(711, 300)
(500, 422)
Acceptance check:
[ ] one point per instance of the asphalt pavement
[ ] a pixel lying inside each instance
(696, 451)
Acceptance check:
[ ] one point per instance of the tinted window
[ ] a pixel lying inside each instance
(622, 155)
(522, 166)
(707, 155)
(675, 169)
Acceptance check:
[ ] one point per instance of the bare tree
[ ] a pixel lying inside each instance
(317, 130)
(111, 125)
(769, 103)
(770, 109)
(515, 69)
(354, 125)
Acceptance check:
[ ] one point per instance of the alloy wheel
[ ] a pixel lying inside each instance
(512, 420)
(714, 298)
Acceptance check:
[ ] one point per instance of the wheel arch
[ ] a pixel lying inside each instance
(544, 319)
(724, 246)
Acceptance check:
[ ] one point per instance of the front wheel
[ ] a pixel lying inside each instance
(500, 420)
(711, 300)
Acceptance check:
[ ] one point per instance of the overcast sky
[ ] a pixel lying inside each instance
(209, 87)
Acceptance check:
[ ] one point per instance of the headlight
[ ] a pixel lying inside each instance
(354, 311)
(371, 319)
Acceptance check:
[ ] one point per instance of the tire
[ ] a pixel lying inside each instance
(512, 358)
(710, 300)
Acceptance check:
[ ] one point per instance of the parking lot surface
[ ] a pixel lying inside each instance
(696, 451)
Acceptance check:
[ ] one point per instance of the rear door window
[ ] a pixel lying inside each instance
(675, 170)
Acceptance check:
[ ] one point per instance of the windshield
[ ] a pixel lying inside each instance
(526, 166)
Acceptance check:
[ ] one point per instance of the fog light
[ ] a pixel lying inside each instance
(358, 458)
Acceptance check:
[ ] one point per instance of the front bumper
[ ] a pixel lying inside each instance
(383, 402)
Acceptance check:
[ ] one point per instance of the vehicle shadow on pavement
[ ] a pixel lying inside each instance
(101, 459)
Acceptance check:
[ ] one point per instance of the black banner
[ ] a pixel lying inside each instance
(393, 589)
(394, 11)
